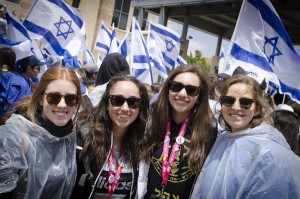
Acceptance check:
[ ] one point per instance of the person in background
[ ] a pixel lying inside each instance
(37, 149)
(91, 70)
(287, 122)
(111, 133)
(250, 158)
(180, 133)
(113, 64)
(29, 68)
(80, 72)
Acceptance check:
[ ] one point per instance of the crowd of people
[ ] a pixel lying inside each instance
(100, 133)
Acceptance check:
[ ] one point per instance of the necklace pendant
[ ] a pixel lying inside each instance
(111, 179)
(180, 140)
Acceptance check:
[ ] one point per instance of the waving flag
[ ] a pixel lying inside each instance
(103, 40)
(180, 61)
(99, 60)
(169, 43)
(88, 57)
(57, 25)
(156, 57)
(261, 43)
(140, 61)
(114, 43)
(124, 47)
(221, 61)
(18, 33)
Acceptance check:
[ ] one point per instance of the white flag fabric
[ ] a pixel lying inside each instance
(261, 45)
(88, 57)
(169, 44)
(21, 48)
(156, 57)
(103, 40)
(140, 61)
(99, 60)
(18, 33)
(221, 66)
(57, 25)
(124, 47)
(114, 43)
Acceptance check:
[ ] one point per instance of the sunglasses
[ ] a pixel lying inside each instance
(132, 102)
(54, 98)
(190, 90)
(245, 103)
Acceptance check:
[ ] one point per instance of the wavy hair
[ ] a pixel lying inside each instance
(52, 74)
(98, 140)
(262, 106)
(202, 123)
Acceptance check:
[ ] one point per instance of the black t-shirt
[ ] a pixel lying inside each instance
(181, 178)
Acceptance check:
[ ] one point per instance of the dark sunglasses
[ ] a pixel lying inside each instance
(54, 98)
(190, 90)
(244, 102)
(132, 102)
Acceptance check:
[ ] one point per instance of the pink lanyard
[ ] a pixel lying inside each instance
(168, 163)
(114, 175)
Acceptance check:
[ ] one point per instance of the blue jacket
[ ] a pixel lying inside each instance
(13, 88)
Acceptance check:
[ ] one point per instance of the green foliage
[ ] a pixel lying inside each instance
(198, 60)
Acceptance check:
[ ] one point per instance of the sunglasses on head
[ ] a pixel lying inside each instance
(54, 98)
(190, 90)
(132, 102)
(244, 102)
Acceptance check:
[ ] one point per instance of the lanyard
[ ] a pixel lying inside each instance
(167, 162)
(113, 174)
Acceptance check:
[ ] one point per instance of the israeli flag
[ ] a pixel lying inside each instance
(180, 61)
(114, 42)
(156, 57)
(88, 57)
(124, 47)
(18, 33)
(169, 44)
(272, 89)
(103, 40)
(21, 48)
(221, 66)
(58, 26)
(261, 43)
(140, 60)
(99, 60)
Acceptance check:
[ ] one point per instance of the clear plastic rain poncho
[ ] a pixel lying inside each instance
(35, 164)
(254, 163)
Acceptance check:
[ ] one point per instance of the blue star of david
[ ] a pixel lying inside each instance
(169, 45)
(64, 28)
(275, 51)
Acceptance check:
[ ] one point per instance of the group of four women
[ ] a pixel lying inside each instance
(172, 150)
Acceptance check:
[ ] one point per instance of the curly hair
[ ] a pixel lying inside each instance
(97, 142)
(262, 106)
(202, 123)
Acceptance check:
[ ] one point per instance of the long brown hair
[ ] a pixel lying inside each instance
(202, 124)
(98, 140)
(50, 75)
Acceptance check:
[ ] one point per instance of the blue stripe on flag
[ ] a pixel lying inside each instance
(8, 42)
(295, 93)
(166, 33)
(17, 25)
(139, 72)
(63, 6)
(140, 59)
(169, 60)
(101, 45)
(48, 36)
(243, 55)
(273, 20)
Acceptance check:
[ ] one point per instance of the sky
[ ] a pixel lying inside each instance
(203, 41)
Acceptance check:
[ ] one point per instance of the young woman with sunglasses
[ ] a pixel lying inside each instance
(180, 133)
(38, 145)
(250, 159)
(112, 134)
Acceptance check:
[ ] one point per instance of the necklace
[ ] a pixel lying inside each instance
(167, 162)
